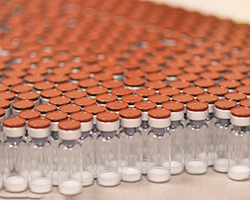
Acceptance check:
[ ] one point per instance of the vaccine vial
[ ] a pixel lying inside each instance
(159, 145)
(196, 154)
(40, 156)
(239, 163)
(87, 142)
(15, 155)
(44, 108)
(20, 105)
(55, 117)
(222, 134)
(176, 130)
(131, 145)
(210, 121)
(144, 106)
(2, 117)
(49, 93)
(121, 91)
(69, 158)
(108, 149)
(6, 105)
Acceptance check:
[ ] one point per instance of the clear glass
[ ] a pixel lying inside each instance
(40, 165)
(221, 139)
(210, 121)
(108, 159)
(70, 167)
(144, 129)
(55, 141)
(131, 154)
(1, 165)
(177, 147)
(95, 131)
(15, 165)
(87, 142)
(196, 150)
(239, 163)
(158, 155)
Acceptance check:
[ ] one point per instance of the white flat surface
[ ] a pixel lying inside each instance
(185, 187)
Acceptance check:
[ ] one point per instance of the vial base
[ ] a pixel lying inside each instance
(131, 174)
(15, 184)
(108, 178)
(70, 187)
(196, 167)
(239, 172)
(40, 185)
(158, 175)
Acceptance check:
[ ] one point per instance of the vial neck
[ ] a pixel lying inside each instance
(241, 129)
(54, 135)
(185, 116)
(14, 141)
(174, 124)
(210, 116)
(39, 141)
(159, 131)
(224, 122)
(196, 123)
(144, 124)
(69, 143)
(94, 129)
(130, 131)
(109, 134)
(84, 135)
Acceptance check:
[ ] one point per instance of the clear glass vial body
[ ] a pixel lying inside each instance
(131, 154)
(176, 130)
(1, 165)
(158, 155)
(108, 158)
(40, 165)
(15, 164)
(196, 150)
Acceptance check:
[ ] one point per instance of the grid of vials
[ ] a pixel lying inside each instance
(116, 89)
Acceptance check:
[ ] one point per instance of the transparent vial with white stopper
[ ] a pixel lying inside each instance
(210, 121)
(87, 142)
(196, 151)
(144, 128)
(108, 149)
(222, 134)
(40, 156)
(69, 158)
(15, 155)
(239, 163)
(159, 146)
(55, 117)
(2, 117)
(176, 130)
(131, 145)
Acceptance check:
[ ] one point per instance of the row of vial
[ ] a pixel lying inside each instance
(110, 146)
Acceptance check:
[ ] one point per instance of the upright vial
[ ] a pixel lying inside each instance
(176, 129)
(239, 163)
(159, 146)
(69, 158)
(222, 133)
(87, 143)
(55, 117)
(15, 155)
(131, 145)
(40, 156)
(108, 149)
(196, 154)
(144, 106)
(210, 99)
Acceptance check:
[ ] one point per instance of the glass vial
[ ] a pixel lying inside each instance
(222, 134)
(69, 158)
(87, 143)
(40, 156)
(144, 106)
(108, 149)
(239, 163)
(176, 130)
(15, 155)
(55, 117)
(196, 152)
(131, 145)
(159, 146)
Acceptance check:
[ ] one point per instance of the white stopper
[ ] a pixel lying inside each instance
(131, 123)
(159, 123)
(144, 116)
(239, 121)
(38, 132)
(54, 126)
(194, 115)
(86, 126)
(108, 126)
(69, 134)
(14, 132)
(176, 116)
(211, 108)
(221, 114)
